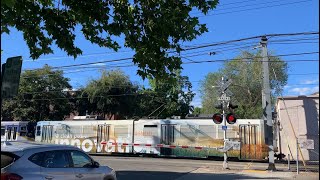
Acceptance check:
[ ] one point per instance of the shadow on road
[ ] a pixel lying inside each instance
(158, 175)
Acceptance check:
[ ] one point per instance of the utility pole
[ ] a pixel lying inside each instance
(266, 103)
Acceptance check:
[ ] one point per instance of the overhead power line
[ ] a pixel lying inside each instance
(219, 9)
(193, 48)
(304, 74)
(81, 56)
(292, 43)
(257, 8)
(245, 59)
(294, 39)
(249, 38)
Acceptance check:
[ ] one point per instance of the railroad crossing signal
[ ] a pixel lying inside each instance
(231, 119)
(223, 87)
(217, 118)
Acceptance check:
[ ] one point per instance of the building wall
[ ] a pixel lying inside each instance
(303, 112)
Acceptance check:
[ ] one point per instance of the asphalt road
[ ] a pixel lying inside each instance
(175, 169)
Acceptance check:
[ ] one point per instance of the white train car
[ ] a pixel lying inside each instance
(15, 131)
(119, 136)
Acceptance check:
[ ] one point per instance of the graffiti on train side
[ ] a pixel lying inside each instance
(91, 145)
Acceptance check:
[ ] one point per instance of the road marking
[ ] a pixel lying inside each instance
(249, 165)
(255, 171)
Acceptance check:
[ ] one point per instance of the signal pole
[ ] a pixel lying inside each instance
(266, 103)
(223, 91)
(225, 156)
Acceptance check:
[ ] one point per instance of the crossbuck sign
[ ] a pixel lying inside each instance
(224, 97)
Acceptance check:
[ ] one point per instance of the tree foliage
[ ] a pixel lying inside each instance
(45, 94)
(150, 27)
(113, 93)
(197, 111)
(176, 96)
(40, 97)
(245, 71)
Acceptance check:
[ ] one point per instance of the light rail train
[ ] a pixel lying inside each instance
(119, 136)
(17, 130)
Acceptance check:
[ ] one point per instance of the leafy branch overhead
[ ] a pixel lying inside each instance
(150, 27)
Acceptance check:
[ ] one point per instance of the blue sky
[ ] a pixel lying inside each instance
(233, 19)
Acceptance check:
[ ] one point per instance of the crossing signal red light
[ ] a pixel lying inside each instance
(231, 119)
(217, 118)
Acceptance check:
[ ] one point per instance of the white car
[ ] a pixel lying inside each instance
(31, 161)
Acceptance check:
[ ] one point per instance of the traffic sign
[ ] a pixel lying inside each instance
(236, 145)
(306, 143)
(224, 86)
(227, 92)
(224, 97)
(227, 145)
(224, 128)
(11, 71)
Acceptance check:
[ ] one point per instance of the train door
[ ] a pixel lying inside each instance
(12, 131)
(103, 135)
(250, 148)
(46, 135)
(167, 138)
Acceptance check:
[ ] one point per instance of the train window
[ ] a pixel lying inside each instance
(88, 131)
(207, 131)
(121, 131)
(38, 130)
(150, 130)
(189, 132)
(15, 129)
(23, 128)
(3, 130)
(150, 126)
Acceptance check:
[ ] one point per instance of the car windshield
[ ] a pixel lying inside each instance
(7, 158)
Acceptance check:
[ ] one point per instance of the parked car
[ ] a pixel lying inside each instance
(31, 161)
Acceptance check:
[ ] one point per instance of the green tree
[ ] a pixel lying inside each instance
(150, 27)
(40, 97)
(148, 102)
(112, 94)
(176, 95)
(197, 110)
(245, 71)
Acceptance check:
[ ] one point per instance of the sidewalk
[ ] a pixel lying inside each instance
(209, 173)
